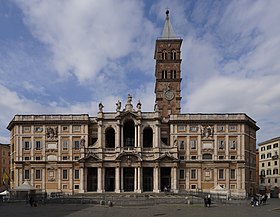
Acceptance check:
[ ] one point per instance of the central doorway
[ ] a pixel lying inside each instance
(92, 179)
(128, 179)
(110, 179)
(165, 178)
(147, 179)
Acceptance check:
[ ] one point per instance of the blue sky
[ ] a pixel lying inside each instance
(59, 56)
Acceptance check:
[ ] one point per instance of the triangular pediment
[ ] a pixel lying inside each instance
(167, 157)
(129, 114)
(90, 158)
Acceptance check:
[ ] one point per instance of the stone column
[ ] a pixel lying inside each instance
(187, 146)
(243, 178)
(227, 170)
(117, 179)
(199, 157)
(118, 135)
(58, 179)
(81, 181)
(215, 147)
(175, 180)
(71, 179)
(157, 137)
(238, 147)
(199, 178)
(139, 135)
(32, 176)
(187, 178)
(227, 147)
(156, 179)
(135, 179)
(85, 179)
(135, 136)
(139, 186)
(99, 180)
(121, 179)
(43, 180)
(215, 177)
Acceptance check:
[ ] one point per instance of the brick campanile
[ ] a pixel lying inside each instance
(168, 71)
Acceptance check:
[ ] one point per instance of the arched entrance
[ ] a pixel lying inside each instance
(128, 134)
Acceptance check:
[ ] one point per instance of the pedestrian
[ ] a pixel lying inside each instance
(209, 201)
(205, 201)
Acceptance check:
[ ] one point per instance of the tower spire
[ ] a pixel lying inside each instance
(168, 32)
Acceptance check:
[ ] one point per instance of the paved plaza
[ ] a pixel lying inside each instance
(271, 209)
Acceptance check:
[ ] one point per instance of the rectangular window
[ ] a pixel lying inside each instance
(77, 174)
(77, 128)
(232, 127)
(182, 145)
(181, 128)
(263, 156)
(193, 128)
(263, 148)
(38, 129)
(268, 164)
(37, 174)
(268, 155)
(262, 164)
(26, 174)
(64, 144)
(64, 174)
(76, 157)
(268, 147)
(37, 158)
(76, 144)
(26, 129)
(64, 157)
(64, 128)
(221, 157)
(26, 145)
(38, 145)
(232, 174)
(221, 144)
(221, 128)
(193, 144)
(268, 172)
(193, 157)
(181, 157)
(221, 174)
(76, 187)
(232, 144)
(232, 157)
(275, 163)
(26, 158)
(193, 174)
(275, 145)
(193, 186)
(182, 174)
(275, 181)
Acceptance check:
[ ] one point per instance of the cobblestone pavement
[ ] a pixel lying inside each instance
(271, 209)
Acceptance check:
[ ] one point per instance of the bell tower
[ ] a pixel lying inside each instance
(168, 71)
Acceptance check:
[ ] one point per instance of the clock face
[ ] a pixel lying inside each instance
(169, 95)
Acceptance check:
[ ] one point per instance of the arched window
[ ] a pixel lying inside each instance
(148, 137)
(207, 156)
(173, 55)
(164, 74)
(128, 133)
(110, 138)
(164, 54)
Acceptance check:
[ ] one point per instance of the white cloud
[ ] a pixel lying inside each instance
(85, 36)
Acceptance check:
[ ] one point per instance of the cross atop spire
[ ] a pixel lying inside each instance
(168, 32)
